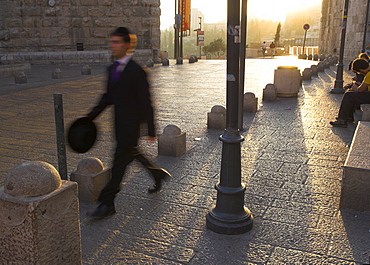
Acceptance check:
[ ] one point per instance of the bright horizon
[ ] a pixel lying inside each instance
(216, 10)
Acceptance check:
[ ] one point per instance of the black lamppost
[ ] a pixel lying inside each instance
(338, 86)
(230, 216)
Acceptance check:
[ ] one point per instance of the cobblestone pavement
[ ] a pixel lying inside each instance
(291, 164)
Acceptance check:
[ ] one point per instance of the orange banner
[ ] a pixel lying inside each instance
(185, 12)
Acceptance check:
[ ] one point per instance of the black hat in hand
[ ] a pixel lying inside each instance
(82, 135)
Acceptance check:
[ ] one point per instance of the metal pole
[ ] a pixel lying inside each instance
(365, 29)
(304, 41)
(176, 32)
(338, 85)
(230, 216)
(61, 145)
(243, 45)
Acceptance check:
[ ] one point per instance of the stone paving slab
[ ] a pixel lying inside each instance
(291, 163)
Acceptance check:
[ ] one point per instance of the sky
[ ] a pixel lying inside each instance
(215, 10)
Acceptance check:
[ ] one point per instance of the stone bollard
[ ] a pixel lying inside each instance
(306, 75)
(149, 63)
(287, 80)
(39, 217)
(315, 57)
(216, 119)
(335, 59)
(56, 74)
(165, 62)
(86, 70)
(250, 102)
(309, 57)
(172, 142)
(322, 57)
(179, 60)
(192, 59)
(196, 58)
(326, 63)
(91, 177)
(20, 78)
(302, 56)
(321, 67)
(269, 93)
(314, 70)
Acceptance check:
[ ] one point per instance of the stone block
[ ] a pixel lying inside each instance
(269, 93)
(315, 57)
(309, 57)
(179, 60)
(86, 70)
(172, 142)
(39, 217)
(91, 177)
(307, 74)
(320, 67)
(365, 112)
(20, 78)
(355, 192)
(56, 74)
(192, 59)
(149, 63)
(165, 62)
(250, 102)
(216, 119)
(287, 80)
(314, 70)
(322, 57)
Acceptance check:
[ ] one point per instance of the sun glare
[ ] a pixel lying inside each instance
(216, 10)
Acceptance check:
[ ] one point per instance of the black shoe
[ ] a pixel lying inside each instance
(103, 210)
(339, 123)
(159, 174)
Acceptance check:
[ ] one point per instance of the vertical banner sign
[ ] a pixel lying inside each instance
(200, 38)
(185, 12)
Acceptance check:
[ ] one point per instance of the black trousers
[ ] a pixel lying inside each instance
(352, 100)
(123, 156)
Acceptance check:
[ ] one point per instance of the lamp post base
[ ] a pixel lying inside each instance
(218, 223)
(338, 87)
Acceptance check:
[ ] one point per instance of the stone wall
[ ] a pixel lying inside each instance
(60, 25)
(331, 28)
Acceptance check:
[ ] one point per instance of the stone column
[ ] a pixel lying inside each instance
(39, 217)
(91, 178)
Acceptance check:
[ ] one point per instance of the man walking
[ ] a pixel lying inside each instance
(128, 91)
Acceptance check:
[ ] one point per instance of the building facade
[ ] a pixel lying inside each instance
(77, 25)
(357, 36)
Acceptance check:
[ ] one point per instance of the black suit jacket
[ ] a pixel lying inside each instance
(132, 104)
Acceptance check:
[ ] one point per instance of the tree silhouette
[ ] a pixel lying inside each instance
(277, 35)
(215, 47)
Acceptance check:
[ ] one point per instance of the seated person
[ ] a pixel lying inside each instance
(357, 80)
(352, 99)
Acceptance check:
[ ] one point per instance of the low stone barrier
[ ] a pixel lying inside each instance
(12, 69)
(250, 102)
(39, 217)
(287, 80)
(56, 74)
(269, 93)
(179, 60)
(91, 177)
(216, 119)
(314, 70)
(307, 74)
(20, 78)
(355, 193)
(172, 142)
(165, 62)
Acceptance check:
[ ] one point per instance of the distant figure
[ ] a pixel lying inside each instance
(263, 48)
(272, 48)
